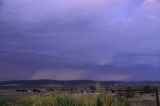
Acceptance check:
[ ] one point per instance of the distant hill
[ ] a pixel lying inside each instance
(47, 82)
(53, 82)
(70, 82)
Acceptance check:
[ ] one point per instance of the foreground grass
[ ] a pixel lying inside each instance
(4, 102)
(68, 100)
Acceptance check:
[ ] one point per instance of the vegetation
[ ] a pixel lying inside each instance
(147, 89)
(68, 100)
(104, 100)
(4, 102)
(99, 88)
(120, 101)
(128, 92)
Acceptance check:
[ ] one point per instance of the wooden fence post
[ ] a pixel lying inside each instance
(157, 97)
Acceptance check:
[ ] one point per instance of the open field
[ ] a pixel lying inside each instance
(88, 94)
(65, 100)
(89, 99)
(13, 98)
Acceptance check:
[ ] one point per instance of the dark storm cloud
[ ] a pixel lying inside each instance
(96, 40)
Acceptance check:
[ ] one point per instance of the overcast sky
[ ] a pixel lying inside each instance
(80, 39)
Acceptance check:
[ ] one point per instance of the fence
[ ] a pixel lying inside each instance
(154, 90)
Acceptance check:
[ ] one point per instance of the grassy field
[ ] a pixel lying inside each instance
(12, 98)
(80, 94)
(66, 100)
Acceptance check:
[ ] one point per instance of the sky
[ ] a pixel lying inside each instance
(108, 40)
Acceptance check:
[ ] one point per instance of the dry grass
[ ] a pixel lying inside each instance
(67, 100)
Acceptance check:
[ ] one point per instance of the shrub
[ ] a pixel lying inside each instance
(147, 89)
(104, 100)
(128, 93)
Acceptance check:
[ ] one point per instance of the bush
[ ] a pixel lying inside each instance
(128, 92)
(104, 100)
(147, 89)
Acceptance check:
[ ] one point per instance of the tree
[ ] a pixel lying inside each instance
(128, 92)
(99, 88)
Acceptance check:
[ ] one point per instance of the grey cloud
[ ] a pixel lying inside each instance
(84, 35)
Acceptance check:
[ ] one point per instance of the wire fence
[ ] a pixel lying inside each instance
(138, 97)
